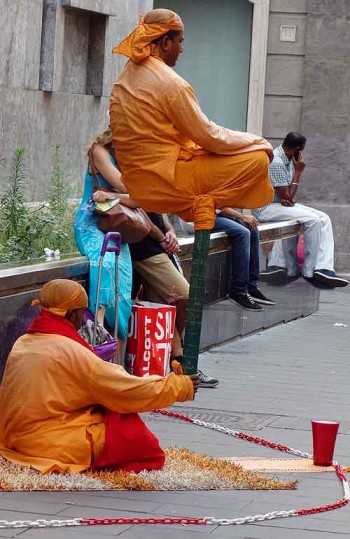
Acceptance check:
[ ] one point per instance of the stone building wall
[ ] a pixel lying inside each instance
(325, 117)
(57, 70)
(284, 68)
(308, 90)
(56, 74)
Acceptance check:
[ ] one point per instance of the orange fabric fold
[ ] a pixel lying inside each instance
(138, 45)
(172, 158)
(61, 295)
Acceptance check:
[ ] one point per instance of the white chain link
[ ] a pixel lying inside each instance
(346, 489)
(298, 453)
(236, 434)
(208, 520)
(40, 523)
(250, 519)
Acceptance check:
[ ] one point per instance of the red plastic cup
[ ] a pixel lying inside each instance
(324, 434)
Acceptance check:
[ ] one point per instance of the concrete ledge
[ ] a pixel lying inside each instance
(222, 319)
(27, 275)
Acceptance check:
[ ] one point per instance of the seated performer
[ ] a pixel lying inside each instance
(64, 409)
(172, 158)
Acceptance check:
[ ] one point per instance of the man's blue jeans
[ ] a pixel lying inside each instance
(244, 253)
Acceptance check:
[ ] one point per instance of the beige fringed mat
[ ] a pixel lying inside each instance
(184, 470)
(278, 465)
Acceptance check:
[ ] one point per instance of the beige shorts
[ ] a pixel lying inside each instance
(162, 281)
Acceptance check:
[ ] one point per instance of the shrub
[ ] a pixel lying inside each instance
(25, 230)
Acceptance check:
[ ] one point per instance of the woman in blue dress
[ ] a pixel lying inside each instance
(89, 238)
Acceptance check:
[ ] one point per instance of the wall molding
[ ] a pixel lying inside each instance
(257, 72)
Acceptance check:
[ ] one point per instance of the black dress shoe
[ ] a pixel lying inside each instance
(317, 283)
(245, 301)
(259, 297)
(329, 278)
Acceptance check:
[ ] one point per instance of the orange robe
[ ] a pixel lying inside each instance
(172, 158)
(49, 400)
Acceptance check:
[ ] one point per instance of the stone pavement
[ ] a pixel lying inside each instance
(272, 385)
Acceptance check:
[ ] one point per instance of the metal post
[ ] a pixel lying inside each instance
(97, 299)
(116, 292)
(196, 301)
(115, 248)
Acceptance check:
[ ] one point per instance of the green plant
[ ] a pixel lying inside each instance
(26, 230)
(13, 202)
(58, 189)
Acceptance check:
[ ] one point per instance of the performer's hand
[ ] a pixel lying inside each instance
(195, 382)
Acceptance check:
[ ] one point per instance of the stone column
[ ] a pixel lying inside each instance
(325, 118)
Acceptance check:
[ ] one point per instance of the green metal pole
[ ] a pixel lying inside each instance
(196, 301)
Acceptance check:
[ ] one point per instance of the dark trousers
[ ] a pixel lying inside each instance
(244, 253)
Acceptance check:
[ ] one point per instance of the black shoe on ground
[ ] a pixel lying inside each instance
(329, 278)
(245, 301)
(274, 275)
(259, 297)
(206, 381)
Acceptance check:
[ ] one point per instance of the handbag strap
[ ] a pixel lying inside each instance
(97, 186)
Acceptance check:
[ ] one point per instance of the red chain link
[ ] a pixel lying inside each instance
(241, 435)
(261, 441)
(125, 520)
(323, 508)
(340, 472)
(173, 414)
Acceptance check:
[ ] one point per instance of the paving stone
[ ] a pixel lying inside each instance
(265, 531)
(295, 372)
(17, 504)
(62, 533)
(170, 532)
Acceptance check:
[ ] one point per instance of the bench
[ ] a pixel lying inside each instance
(222, 320)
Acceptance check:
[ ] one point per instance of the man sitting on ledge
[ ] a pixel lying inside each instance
(63, 409)
(285, 173)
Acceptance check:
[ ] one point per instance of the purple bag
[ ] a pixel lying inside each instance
(107, 349)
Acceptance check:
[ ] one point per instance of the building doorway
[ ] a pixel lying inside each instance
(216, 60)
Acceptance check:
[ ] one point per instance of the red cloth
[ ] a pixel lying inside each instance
(47, 322)
(129, 445)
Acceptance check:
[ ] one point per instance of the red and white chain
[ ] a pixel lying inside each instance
(235, 433)
(206, 520)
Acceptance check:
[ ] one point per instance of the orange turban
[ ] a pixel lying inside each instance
(138, 45)
(61, 295)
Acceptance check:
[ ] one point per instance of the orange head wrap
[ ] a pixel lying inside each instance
(138, 45)
(61, 295)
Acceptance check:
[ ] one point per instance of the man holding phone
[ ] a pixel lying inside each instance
(285, 174)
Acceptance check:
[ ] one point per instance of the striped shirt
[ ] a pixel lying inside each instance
(281, 173)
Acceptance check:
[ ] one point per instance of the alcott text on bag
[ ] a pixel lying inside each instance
(150, 336)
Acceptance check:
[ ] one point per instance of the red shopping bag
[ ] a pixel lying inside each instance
(150, 336)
